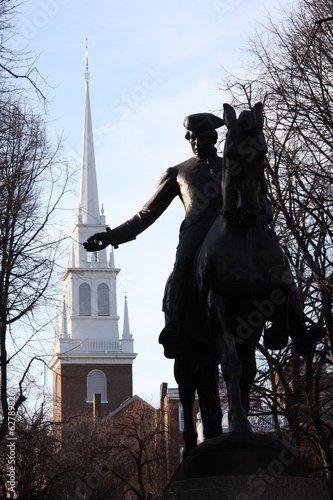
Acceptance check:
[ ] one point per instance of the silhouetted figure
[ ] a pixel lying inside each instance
(197, 182)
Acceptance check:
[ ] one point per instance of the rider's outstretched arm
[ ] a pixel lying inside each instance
(167, 189)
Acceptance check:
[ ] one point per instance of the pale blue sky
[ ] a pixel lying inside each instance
(152, 62)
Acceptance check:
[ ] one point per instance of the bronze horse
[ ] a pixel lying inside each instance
(240, 283)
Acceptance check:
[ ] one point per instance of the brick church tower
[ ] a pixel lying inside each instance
(88, 356)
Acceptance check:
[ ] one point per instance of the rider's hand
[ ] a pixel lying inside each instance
(97, 241)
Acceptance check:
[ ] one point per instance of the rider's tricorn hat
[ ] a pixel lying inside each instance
(202, 122)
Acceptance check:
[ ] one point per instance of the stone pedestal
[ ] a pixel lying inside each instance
(243, 488)
(249, 467)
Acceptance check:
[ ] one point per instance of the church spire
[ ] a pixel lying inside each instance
(127, 342)
(126, 330)
(57, 329)
(89, 205)
(64, 332)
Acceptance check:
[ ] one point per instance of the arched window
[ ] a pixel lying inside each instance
(96, 384)
(84, 300)
(103, 300)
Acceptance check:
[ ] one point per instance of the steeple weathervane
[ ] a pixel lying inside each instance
(87, 73)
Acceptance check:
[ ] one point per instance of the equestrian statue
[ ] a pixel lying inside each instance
(231, 281)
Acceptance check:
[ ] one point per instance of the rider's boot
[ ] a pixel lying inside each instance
(169, 338)
(174, 302)
(276, 336)
(304, 337)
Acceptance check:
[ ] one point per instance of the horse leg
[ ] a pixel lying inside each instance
(247, 357)
(222, 323)
(184, 372)
(190, 434)
(209, 397)
(232, 373)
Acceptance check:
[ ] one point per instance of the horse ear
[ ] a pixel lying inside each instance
(229, 114)
(257, 106)
(257, 110)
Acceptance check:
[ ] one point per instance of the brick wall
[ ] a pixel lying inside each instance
(71, 381)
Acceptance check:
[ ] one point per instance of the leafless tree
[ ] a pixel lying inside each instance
(137, 458)
(120, 457)
(32, 183)
(291, 72)
(37, 470)
(18, 71)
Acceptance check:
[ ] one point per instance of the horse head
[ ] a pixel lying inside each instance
(244, 152)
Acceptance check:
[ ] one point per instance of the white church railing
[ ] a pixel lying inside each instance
(68, 345)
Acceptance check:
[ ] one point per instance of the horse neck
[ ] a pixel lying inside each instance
(228, 193)
(248, 198)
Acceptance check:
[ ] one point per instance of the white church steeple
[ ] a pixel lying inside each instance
(89, 205)
(89, 219)
(87, 346)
